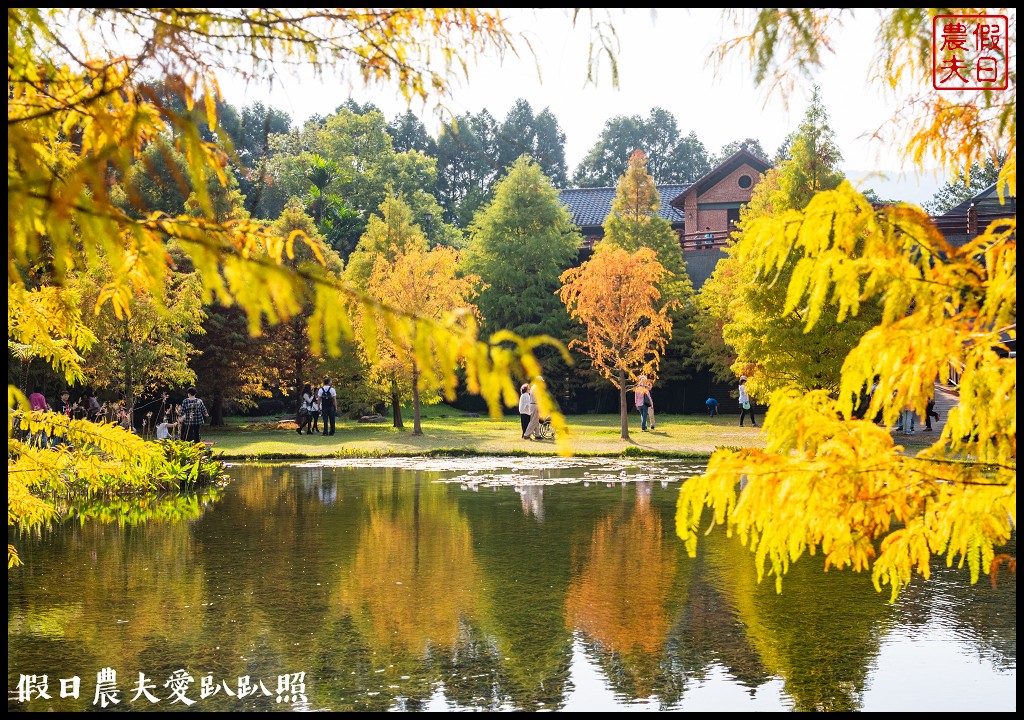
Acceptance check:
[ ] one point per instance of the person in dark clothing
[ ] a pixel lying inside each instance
(193, 413)
(930, 413)
(66, 408)
(328, 405)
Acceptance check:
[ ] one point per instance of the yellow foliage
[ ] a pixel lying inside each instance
(79, 115)
(826, 481)
(615, 296)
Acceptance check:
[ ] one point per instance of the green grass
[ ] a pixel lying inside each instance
(450, 432)
(447, 431)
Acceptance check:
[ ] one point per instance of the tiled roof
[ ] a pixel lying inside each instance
(988, 195)
(590, 206)
(958, 228)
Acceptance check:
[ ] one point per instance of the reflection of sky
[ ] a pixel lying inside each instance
(958, 680)
(472, 473)
(715, 692)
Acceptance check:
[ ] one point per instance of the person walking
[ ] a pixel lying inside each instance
(305, 403)
(328, 405)
(533, 427)
(642, 398)
(906, 421)
(524, 407)
(712, 406)
(193, 414)
(314, 414)
(745, 405)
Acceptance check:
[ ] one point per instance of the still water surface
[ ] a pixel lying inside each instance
(475, 584)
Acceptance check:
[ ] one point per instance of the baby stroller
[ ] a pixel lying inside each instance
(544, 431)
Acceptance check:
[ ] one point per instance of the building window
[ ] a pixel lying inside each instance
(745, 181)
(733, 216)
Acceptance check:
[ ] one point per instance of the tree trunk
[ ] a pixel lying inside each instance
(217, 411)
(416, 429)
(396, 407)
(300, 368)
(129, 394)
(623, 407)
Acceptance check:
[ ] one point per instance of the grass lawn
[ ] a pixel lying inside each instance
(446, 430)
(450, 431)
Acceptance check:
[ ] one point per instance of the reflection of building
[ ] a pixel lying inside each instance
(532, 498)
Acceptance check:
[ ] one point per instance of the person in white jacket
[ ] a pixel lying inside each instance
(524, 407)
(745, 405)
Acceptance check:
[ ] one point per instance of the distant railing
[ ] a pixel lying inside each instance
(707, 240)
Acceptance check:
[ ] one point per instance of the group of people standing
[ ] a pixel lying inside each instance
(86, 406)
(181, 422)
(314, 404)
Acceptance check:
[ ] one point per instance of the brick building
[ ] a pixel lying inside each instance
(703, 214)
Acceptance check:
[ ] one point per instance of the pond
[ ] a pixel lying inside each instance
(474, 584)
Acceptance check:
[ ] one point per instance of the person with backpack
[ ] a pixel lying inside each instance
(328, 405)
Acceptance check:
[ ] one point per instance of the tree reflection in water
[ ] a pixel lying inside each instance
(418, 587)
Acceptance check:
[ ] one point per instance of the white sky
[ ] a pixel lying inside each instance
(662, 63)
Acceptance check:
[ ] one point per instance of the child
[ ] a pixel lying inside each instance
(712, 406)
(165, 428)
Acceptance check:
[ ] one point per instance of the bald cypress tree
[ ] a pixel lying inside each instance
(635, 222)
